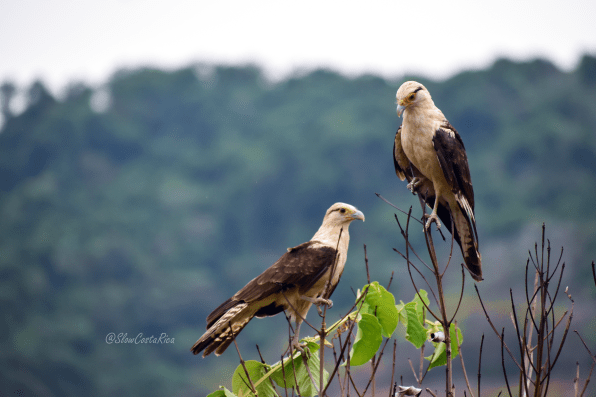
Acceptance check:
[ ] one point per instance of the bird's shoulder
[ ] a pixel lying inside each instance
(448, 136)
(453, 160)
(300, 265)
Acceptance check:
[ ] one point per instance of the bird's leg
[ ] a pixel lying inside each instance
(413, 185)
(319, 302)
(295, 344)
(433, 217)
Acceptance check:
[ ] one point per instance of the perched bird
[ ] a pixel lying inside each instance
(292, 284)
(430, 154)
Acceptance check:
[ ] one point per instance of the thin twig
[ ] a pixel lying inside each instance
(341, 355)
(374, 371)
(519, 340)
(408, 244)
(461, 357)
(397, 208)
(494, 329)
(480, 363)
(586, 346)
(413, 371)
(503, 361)
(390, 279)
(251, 385)
(366, 263)
(587, 380)
(263, 362)
(393, 366)
(297, 313)
(461, 295)
(576, 380)
(421, 275)
(430, 392)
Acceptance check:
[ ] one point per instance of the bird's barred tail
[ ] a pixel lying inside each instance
(466, 229)
(219, 336)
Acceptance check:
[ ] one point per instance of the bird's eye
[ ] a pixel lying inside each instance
(412, 96)
(343, 210)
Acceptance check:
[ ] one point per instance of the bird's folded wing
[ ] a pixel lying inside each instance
(452, 157)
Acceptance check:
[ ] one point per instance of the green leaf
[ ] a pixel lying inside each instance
(403, 318)
(305, 384)
(439, 356)
(256, 370)
(297, 365)
(420, 308)
(415, 331)
(381, 303)
(223, 392)
(368, 339)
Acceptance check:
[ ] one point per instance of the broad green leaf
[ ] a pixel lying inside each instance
(403, 318)
(368, 339)
(307, 389)
(256, 370)
(420, 308)
(439, 356)
(223, 392)
(381, 303)
(296, 365)
(415, 331)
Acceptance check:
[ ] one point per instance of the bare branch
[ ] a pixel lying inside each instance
(430, 392)
(393, 365)
(397, 208)
(480, 363)
(495, 330)
(251, 385)
(587, 380)
(461, 295)
(503, 361)
(390, 280)
(586, 346)
(461, 357)
(366, 263)
(375, 367)
(413, 371)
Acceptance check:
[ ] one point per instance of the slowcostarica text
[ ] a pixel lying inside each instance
(123, 338)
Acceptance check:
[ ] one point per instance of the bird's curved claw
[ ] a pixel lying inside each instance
(413, 185)
(296, 345)
(320, 302)
(432, 218)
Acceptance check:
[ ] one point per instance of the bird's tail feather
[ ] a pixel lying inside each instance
(219, 335)
(466, 230)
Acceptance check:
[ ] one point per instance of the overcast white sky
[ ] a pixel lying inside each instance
(67, 40)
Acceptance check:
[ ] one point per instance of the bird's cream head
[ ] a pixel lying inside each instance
(337, 217)
(411, 94)
(342, 213)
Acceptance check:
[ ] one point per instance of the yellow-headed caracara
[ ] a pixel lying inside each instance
(292, 284)
(430, 154)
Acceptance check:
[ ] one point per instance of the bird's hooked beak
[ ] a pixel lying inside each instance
(357, 215)
(400, 108)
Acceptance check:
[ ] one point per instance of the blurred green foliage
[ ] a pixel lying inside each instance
(140, 206)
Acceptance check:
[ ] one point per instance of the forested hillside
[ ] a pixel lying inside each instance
(140, 206)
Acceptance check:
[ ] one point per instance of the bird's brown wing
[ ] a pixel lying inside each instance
(454, 161)
(405, 170)
(400, 160)
(300, 268)
(452, 157)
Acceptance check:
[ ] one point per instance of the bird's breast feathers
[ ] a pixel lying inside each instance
(417, 143)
